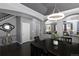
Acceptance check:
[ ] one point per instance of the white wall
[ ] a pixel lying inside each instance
(59, 27)
(25, 20)
(11, 20)
(74, 22)
(25, 32)
(35, 27)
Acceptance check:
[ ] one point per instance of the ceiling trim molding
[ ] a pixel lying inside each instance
(18, 9)
(71, 15)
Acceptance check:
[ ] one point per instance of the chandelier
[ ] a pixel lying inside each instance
(56, 15)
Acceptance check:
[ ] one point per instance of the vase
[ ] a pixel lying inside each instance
(55, 42)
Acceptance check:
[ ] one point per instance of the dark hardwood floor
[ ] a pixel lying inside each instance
(16, 50)
(40, 48)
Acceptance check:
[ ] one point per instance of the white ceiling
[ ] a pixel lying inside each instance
(47, 8)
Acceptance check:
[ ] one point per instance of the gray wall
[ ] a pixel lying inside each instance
(18, 29)
(78, 26)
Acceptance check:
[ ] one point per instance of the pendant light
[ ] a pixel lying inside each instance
(55, 15)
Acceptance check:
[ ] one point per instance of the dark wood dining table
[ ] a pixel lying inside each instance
(62, 49)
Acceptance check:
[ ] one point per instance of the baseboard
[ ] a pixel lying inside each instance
(16, 42)
(19, 42)
(8, 43)
(24, 42)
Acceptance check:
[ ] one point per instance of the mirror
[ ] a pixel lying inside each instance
(50, 28)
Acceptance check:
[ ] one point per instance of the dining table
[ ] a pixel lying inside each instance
(57, 47)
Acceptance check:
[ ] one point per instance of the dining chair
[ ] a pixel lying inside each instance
(66, 39)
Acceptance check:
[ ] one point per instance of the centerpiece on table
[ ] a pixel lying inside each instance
(54, 37)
